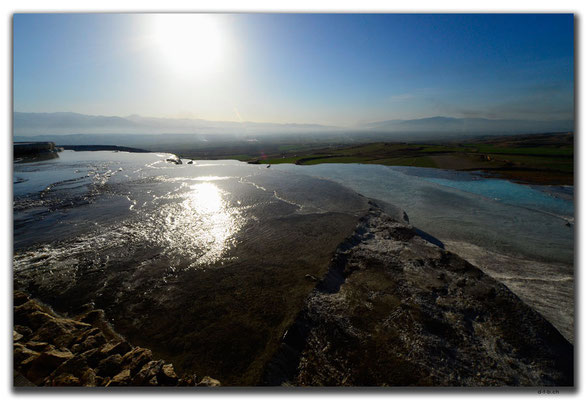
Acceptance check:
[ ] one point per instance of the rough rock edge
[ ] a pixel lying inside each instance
(327, 340)
(50, 350)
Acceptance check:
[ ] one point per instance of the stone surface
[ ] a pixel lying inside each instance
(59, 331)
(64, 380)
(23, 314)
(397, 310)
(210, 382)
(93, 316)
(39, 318)
(43, 365)
(20, 298)
(38, 346)
(23, 330)
(167, 375)
(136, 358)
(90, 342)
(147, 376)
(115, 347)
(110, 365)
(75, 365)
(22, 353)
(84, 334)
(92, 357)
(50, 350)
(121, 379)
(88, 377)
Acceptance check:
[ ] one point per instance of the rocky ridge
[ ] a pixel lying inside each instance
(50, 350)
(396, 310)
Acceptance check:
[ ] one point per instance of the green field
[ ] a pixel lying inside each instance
(536, 159)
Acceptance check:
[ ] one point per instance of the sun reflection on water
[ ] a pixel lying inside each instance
(193, 228)
(205, 198)
(202, 225)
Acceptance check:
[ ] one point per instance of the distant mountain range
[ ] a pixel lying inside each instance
(66, 123)
(470, 126)
(73, 123)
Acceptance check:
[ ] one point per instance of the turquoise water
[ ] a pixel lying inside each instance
(511, 193)
(492, 213)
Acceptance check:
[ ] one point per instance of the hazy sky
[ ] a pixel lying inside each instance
(340, 69)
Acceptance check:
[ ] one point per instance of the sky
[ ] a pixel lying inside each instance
(332, 69)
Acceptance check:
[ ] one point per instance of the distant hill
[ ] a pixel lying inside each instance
(471, 126)
(211, 137)
(63, 123)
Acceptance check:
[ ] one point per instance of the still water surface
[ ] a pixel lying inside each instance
(492, 213)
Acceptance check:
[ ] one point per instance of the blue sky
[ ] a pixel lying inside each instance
(337, 69)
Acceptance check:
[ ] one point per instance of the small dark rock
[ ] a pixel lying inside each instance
(64, 380)
(23, 312)
(84, 334)
(110, 366)
(22, 353)
(116, 347)
(91, 342)
(39, 318)
(121, 379)
(92, 357)
(88, 377)
(58, 331)
(136, 358)
(187, 380)
(167, 375)
(149, 372)
(93, 316)
(37, 346)
(210, 382)
(75, 366)
(23, 330)
(46, 363)
(20, 298)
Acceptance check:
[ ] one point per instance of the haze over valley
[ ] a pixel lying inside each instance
(63, 123)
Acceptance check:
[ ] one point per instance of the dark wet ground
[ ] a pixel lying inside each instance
(207, 266)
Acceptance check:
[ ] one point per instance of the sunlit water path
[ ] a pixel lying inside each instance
(192, 211)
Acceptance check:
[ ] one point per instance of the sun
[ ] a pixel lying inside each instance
(192, 44)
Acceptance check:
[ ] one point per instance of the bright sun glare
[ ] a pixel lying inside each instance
(189, 43)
